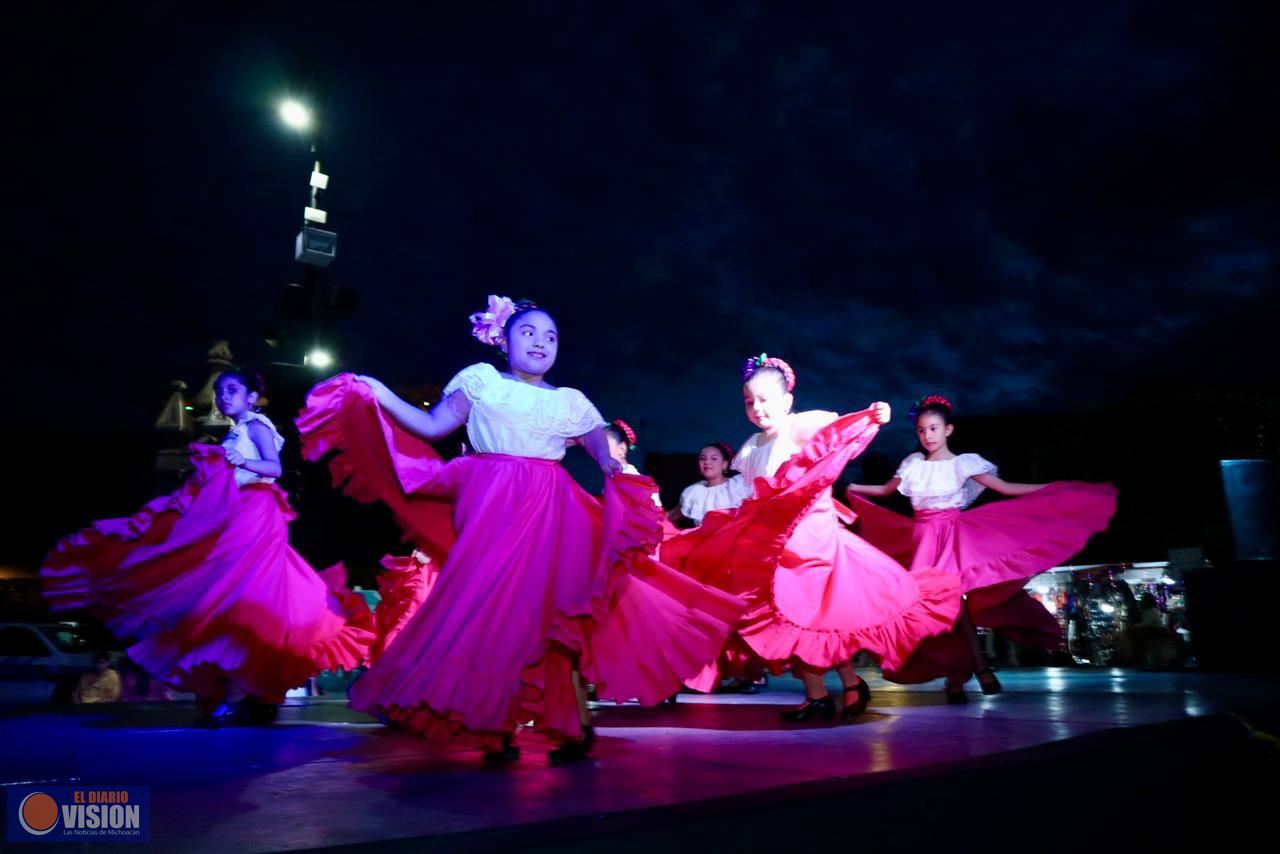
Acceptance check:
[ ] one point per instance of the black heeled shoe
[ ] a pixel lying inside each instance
(989, 687)
(574, 751)
(848, 710)
(737, 686)
(823, 708)
(955, 693)
(260, 712)
(508, 753)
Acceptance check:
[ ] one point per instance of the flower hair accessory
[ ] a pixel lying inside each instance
(487, 326)
(626, 431)
(928, 400)
(764, 360)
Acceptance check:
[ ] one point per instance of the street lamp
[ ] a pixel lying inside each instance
(295, 114)
(314, 247)
(318, 359)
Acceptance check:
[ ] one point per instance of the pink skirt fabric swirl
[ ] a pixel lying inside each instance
(538, 578)
(992, 550)
(203, 584)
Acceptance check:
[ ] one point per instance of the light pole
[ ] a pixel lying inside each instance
(314, 247)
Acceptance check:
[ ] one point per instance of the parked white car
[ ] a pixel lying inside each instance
(41, 662)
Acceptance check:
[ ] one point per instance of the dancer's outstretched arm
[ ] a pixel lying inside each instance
(450, 414)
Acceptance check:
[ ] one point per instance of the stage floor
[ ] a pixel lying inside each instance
(324, 776)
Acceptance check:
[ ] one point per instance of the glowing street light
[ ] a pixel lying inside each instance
(295, 114)
(318, 359)
(314, 248)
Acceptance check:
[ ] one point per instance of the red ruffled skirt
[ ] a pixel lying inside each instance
(404, 586)
(817, 593)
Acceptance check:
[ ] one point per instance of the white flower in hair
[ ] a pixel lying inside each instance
(487, 325)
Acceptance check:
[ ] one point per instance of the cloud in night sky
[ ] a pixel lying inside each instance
(1030, 211)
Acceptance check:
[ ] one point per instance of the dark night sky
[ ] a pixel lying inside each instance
(1025, 209)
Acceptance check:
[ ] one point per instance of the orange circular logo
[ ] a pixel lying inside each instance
(38, 813)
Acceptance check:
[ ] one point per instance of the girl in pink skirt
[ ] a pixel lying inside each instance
(817, 593)
(204, 585)
(991, 550)
(540, 585)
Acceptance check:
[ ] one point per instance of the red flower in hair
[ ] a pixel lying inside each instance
(929, 400)
(626, 431)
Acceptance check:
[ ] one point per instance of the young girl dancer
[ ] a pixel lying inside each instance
(991, 550)
(203, 582)
(721, 488)
(621, 439)
(540, 581)
(818, 594)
